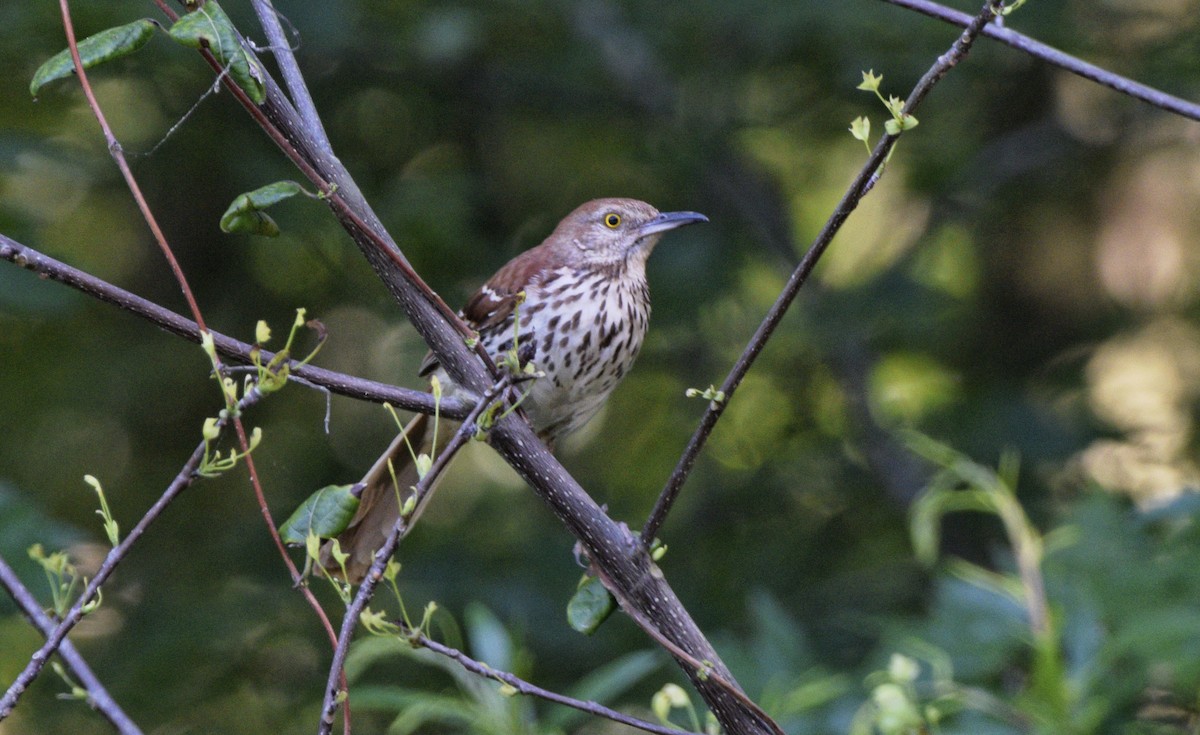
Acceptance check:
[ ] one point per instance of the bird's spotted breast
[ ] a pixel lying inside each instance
(586, 330)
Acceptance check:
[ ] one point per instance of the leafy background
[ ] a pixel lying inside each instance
(1023, 278)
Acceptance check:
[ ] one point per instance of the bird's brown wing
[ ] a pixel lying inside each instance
(495, 300)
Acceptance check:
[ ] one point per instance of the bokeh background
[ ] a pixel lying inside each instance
(1024, 279)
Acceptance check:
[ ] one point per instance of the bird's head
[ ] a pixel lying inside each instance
(615, 231)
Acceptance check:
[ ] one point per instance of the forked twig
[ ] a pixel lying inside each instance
(524, 687)
(862, 183)
(1051, 55)
(54, 640)
(97, 696)
(367, 589)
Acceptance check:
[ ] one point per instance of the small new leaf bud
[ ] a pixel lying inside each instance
(206, 343)
(312, 546)
(255, 438)
(870, 82)
(902, 669)
(262, 333)
(392, 570)
(211, 429)
(423, 463)
(675, 695)
(860, 128)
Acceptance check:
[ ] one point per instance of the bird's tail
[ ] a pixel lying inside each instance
(386, 487)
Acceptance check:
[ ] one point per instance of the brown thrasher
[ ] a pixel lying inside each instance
(584, 315)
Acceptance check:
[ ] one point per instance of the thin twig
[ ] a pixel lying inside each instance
(273, 530)
(340, 383)
(184, 479)
(417, 638)
(1051, 55)
(367, 589)
(97, 696)
(268, 18)
(862, 183)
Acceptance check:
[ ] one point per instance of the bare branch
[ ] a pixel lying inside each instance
(1051, 55)
(340, 383)
(97, 696)
(54, 640)
(268, 18)
(417, 638)
(866, 178)
(367, 589)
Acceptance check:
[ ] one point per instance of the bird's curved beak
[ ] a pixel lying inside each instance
(669, 221)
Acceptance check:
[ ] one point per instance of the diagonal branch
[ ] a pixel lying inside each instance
(289, 69)
(97, 696)
(340, 383)
(54, 640)
(1051, 55)
(680, 654)
(367, 589)
(416, 638)
(866, 178)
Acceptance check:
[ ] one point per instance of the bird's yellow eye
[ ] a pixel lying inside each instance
(612, 220)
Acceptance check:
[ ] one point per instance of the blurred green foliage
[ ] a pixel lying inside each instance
(1023, 278)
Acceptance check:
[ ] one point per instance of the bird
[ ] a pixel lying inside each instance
(576, 307)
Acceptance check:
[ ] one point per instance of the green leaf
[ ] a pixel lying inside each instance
(104, 46)
(326, 513)
(245, 214)
(209, 27)
(860, 128)
(870, 82)
(252, 222)
(985, 579)
(490, 641)
(590, 606)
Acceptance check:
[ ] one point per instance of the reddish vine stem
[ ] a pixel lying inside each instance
(116, 151)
